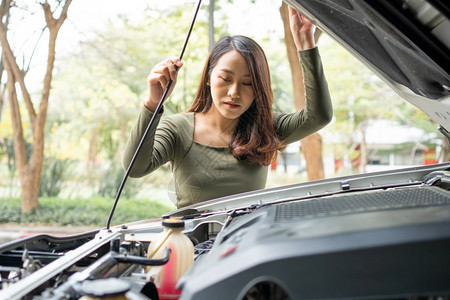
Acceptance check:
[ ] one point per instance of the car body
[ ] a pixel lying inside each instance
(382, 235)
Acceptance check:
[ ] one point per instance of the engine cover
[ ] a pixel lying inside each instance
(383, 243)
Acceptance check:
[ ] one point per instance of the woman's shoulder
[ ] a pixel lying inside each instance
(181, 119)
(181, 127)
(181, 124)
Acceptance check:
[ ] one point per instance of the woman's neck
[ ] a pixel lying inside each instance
(213, 130)
(219, 123)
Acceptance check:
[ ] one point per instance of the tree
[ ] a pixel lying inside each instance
(312, 144)
(2, 90)
(104, 81)
(211, 24)
(54, 13)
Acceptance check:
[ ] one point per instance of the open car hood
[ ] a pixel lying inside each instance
(405, 42)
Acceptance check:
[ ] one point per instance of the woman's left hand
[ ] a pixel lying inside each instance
(302, 30)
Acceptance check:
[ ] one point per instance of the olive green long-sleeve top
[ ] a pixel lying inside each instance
(203, 172)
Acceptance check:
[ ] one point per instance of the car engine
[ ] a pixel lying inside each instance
(348, 241)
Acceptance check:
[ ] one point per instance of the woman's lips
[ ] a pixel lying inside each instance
(231, 104)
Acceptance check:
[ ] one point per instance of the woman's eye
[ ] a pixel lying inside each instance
(247, 83)
(225, 79)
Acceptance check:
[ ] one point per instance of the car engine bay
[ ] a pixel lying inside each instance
(378, 241)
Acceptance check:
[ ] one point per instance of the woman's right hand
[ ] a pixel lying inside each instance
(159, 78)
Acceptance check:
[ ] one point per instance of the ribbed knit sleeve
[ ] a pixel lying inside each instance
(318, 110)
(154, 152)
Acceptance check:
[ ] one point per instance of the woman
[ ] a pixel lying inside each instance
(229, 136)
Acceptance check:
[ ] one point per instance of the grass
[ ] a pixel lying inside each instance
(77, 205)
(91, 211)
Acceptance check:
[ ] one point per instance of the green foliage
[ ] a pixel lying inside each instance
(280, 74)
(110, 181)
(54, 172)
(99, 87)
(7, 150)
(93, 211)
(104, 81)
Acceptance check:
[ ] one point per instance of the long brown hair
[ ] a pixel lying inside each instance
(254, 138)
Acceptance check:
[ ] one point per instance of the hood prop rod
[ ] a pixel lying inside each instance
(152, 120)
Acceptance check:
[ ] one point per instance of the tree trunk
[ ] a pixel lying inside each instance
(363, 148)
(29, 182)
(312, 151)
(2, 91)
(29, 194)
(311, 146)
(29, 170)
(211, 24)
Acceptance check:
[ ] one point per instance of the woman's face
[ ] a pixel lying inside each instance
(231, 85)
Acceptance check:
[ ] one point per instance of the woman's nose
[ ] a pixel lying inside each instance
(234, 92)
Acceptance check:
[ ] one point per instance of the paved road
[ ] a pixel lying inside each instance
(10, 232)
